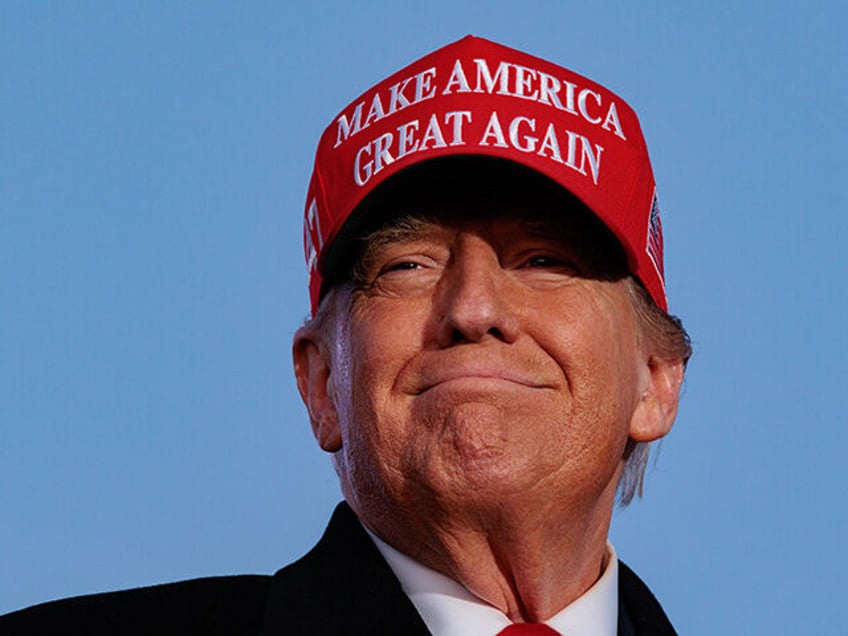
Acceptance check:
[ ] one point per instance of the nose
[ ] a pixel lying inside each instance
(474, 302)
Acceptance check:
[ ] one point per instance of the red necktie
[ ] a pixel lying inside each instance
(528, 629)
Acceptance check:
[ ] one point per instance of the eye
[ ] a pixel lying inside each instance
(401, 266)
(551, 262)
(544, 261)
(405, 275)
(404, 267)
(546, 265)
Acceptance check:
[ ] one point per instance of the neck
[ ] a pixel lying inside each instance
(527, 561)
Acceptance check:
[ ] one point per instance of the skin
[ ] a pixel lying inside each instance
(478, 398)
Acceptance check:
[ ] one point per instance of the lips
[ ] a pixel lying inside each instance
(447, 370)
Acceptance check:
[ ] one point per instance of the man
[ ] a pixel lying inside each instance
(489, 357)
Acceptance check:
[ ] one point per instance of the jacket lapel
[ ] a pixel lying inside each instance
(639, 612)
(342, 586)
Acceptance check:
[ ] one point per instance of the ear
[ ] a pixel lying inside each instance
(660, 381)
(312, 369)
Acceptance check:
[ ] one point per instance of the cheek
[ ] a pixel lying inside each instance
(385, 336)
(598, 423)
(379, 346)
(595, 347)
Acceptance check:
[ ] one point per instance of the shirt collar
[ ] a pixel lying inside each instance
(449, 609)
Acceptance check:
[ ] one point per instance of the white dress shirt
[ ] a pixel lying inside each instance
(449, 609)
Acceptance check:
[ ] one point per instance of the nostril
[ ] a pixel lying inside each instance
(457, 337)
(497, 333)
(461, 337)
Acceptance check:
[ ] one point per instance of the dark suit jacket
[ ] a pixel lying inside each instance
(342, 586)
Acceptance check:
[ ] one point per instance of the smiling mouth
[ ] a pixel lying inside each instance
(480, 380)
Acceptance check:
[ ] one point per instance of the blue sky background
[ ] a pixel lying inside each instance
(154, 159)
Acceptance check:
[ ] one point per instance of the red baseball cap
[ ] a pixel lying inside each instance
(477, 97)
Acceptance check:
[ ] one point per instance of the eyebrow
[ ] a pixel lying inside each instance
(545, 229)
(403, 228)
(409, 227)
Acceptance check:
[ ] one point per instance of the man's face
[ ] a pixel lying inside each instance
(488, 355)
